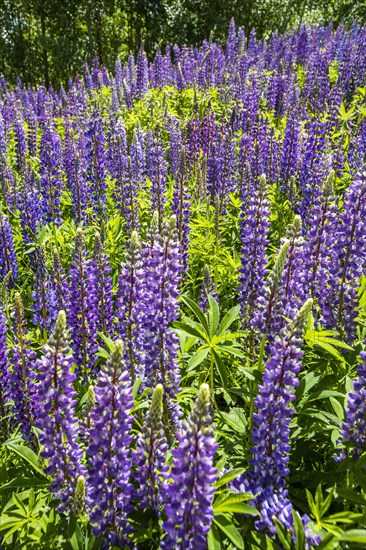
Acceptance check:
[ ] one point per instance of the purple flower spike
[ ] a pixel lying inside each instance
(103, 281)
(8, 259)
(353, 432)
(21, 383)
(51, 175)
(82, 308)
(162, 275)
(44, 297)
(150, 456)
(189, 495)
(56, 400)
(130, 306)
(271, 429)
(254, 236)
(109, 490)
(4, 374)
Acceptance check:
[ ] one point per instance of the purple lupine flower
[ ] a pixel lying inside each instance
(221, 176)
(189, 495)
(294, 291)
(56, 418)
(137, 175)
(82, 307)
(118, 163)
(353, 431)
(104, 286)
(319, 246)
(157, 173)
(348, 263)
(44, 299)
(21, 384)
(51, 175)
(8, 259)
(59, 283)
(30, 206)
(271, 428)
(175, 147)
(312, 169)
(75, 169)
(181, 209)
(142, 74)
(4, 374)
(264, 318)
(161, 279)
(254, 235)
(208, 288)
(290, 152)
(150, 456)
(108, 484)
(130, 306)
(20, 141)
(95, 156)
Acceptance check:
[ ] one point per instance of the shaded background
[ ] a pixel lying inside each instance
(49, 40)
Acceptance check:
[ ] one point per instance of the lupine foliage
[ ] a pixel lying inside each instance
(183, 299)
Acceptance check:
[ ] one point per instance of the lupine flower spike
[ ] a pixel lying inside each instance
(189, 495)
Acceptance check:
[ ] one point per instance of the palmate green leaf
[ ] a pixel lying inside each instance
(27, 454)
(233, 350)
(191, 304)
(24, 483)
(213, 315)
(228, 319)
(228, 337)
(224, 523)
(354, 535)
(198, 357)
(235, 503)
(213, 539)
(299, 531)
(237, 508)
(352, 496)
(220, 367)
(229, 476)
(188, 330)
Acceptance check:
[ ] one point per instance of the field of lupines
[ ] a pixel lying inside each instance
(183, 300)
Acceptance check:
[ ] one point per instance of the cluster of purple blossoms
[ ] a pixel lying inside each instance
(4, 373)
(103, 286)
(181, 209)
(76, 171)
(161, 279)
(82, 307)
(44, 298)
(21, 388)
(96, 162)
(266, 478)
(129, 306)
(348, 262)
(8, 259)
(51, 175)
(55, 399)
(109, 489)
(157, 173)
(190, 492)
(208, 288)
(254, 237)
(353, 432)
(59, 283)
